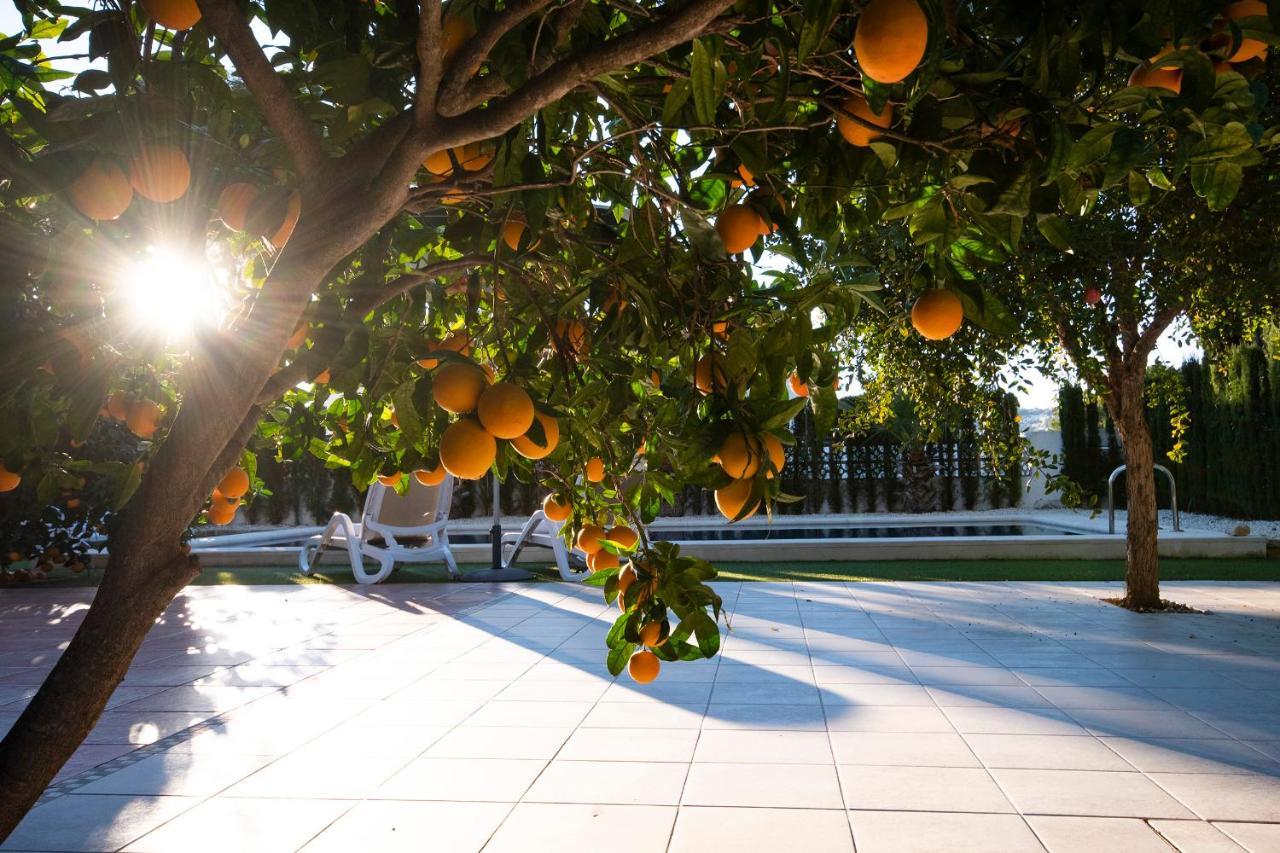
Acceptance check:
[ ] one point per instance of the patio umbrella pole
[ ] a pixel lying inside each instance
(497, 571)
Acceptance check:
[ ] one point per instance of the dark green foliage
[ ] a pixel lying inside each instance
(1228, 461)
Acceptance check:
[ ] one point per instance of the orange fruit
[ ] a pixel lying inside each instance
(776, 452)
(161, 173)
(740, 456)
(322, 378)
(588, 538)
(467, 451)
(434, 477)
(858, 134)
(623, 535)
(937, 314)
(454, 33)
(732, 498)
(471, 157)
(513, 230)
(455, 342)
(890, 39)
(643, 666)
(8, 479)
(102, 191)
(1167, 77)
(233, 204)
(505, 410)
(118, 405)
(709, 374)
(273, 214)
(602, 561)
(595, 470)
(235, 484)
(626, 578)
(1249, 48)
(222, 511)
(652, 635)
(457, 387)
(745, 178)
(299, 336)
(530, 449)
(173, 14)
(143, 418)
(799, 388)
(438, 163)
(293, 210)
(391, 480)
(555, 509)
(571, 336)
(739, 227)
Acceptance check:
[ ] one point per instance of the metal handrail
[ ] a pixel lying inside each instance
(1111, 498)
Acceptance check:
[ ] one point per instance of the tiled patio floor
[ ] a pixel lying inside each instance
(894, 717)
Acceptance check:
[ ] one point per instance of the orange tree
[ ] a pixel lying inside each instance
(340, 228)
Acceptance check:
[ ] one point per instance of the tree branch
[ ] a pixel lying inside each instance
(326, 344)
(1146, 341)
(429, 45)
(566, 75)
(466, 64)
(282, 112)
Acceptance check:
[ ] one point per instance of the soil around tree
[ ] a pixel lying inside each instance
(1165, 606)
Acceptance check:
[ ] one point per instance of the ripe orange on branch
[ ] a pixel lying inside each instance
(143, 418)
(1249, 48)
(731, 499)
(9, 480)
(589, 538)
(739, 228)
(233, 204)
(530, 449)
(623, 535)
(856, 133)
(457, 387)
(434, 477)
(102, 191)
(595, 470)
(467, 451)
(555, 509)
(505, 410)
(797, 385)
(160, 173)
(890, 39)
(740, 455)
(235, 483)
(937, 314)
(643, 666)
(173, 14)
(602, 561)
(1165, 77)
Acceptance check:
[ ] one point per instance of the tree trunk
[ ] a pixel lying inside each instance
(1142, 562)
(66, 708)
(146, 568)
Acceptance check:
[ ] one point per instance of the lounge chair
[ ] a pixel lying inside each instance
(393, 528)
(539, 530)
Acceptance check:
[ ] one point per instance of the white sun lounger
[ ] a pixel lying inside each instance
(393, 528)
(539, 530)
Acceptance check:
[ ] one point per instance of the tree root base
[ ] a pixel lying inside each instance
(1165, 606)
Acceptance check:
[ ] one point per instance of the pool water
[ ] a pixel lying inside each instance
(737, 534)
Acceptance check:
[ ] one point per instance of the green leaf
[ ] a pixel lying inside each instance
(1217, 183)
(702, 79)
(1139, 188)
(1054, 230)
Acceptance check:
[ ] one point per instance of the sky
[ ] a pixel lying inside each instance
(1042, 394)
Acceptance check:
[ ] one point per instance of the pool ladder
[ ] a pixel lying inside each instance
(1111, 498)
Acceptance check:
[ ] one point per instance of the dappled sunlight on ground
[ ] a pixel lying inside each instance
(1020, 716)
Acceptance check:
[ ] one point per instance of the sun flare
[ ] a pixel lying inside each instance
(171, 293)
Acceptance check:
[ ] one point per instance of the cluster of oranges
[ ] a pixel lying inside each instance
(140, 415)
(1152, 75)
(103, 191)
(272, 213)
(225, 499)
(643, 667)
(42, 564)
(489, 412)
(741, 456)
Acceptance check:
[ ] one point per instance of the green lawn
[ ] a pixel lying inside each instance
(894, 570)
